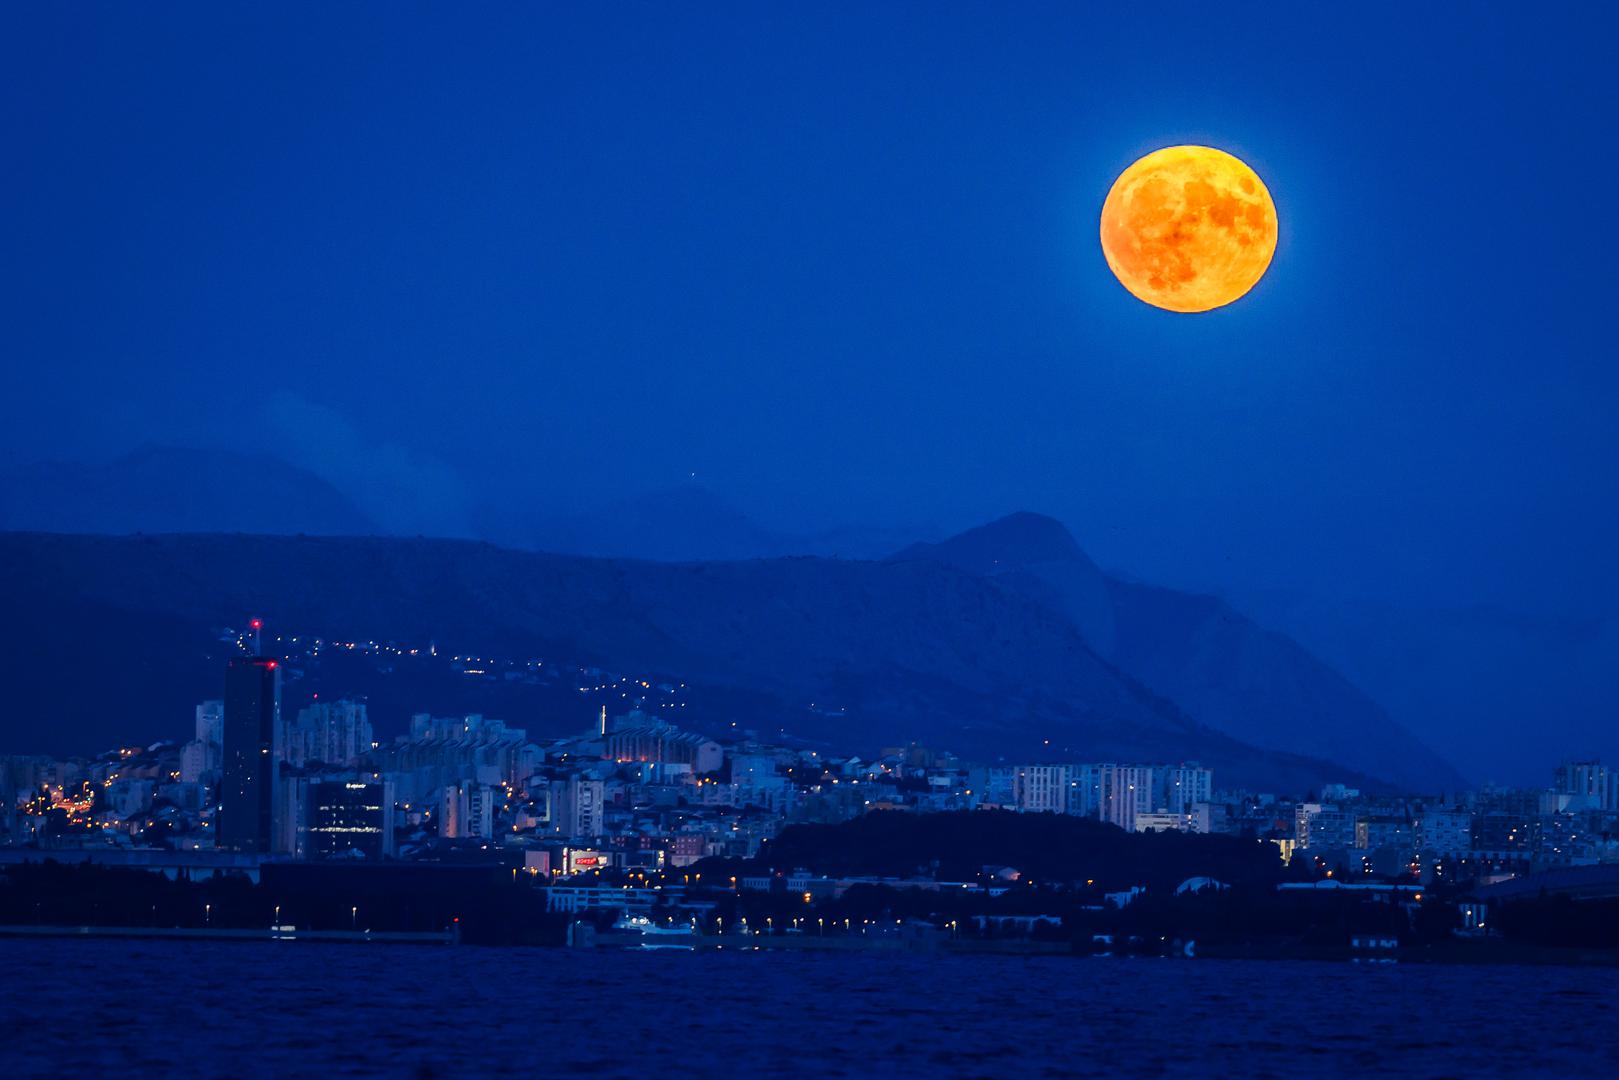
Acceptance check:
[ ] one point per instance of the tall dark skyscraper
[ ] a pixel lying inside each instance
(252, 746)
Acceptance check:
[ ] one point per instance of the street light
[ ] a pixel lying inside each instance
(354, 918)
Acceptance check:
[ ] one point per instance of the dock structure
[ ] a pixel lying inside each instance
(451, 936)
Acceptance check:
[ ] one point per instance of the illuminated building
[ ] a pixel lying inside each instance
(250, 788)
(661, 742)
(584, 860)
(350, 816)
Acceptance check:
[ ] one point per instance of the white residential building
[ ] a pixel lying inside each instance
(332, 732)
(467, 812)
(211, 722)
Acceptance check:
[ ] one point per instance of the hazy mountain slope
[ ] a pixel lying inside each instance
(906, 650)
(689, 523)
(1039, 557)
(1552, 681)
(169, 489)
(681, 524)
(1262, 687)
(1219, 667)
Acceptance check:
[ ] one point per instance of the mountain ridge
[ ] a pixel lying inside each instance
(1250, 682)
(159, 489)
(904, 650)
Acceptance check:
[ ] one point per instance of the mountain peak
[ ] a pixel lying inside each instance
(1037, 556)
(1017, 540)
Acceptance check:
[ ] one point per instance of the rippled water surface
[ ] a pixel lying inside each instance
(234, 1009)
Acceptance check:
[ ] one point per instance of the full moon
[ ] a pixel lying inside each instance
(1188, 228)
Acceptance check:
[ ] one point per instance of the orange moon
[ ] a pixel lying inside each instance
(1188, 228)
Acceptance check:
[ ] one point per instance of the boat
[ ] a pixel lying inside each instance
(650, 935)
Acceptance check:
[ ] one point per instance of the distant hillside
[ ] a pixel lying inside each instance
(1255, 685)
(889, 652)
(684, 524)
(169, 489)
(1552, 681)
(1036, 556)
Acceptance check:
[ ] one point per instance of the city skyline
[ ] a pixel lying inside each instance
(457, 778)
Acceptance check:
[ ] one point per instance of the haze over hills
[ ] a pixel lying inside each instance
(171, 489)
(889, 652)
(174, 489)
(1461, 670)
(689, 523)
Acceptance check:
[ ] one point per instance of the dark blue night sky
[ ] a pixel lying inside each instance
(840, 263)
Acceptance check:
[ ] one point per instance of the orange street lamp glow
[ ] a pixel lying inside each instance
(1188, 228)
